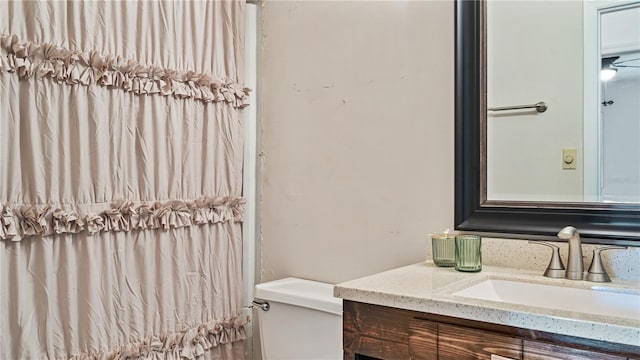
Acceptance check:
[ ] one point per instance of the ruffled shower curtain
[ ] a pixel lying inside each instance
(121, 179)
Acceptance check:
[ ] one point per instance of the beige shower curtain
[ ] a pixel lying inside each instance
(120, 179)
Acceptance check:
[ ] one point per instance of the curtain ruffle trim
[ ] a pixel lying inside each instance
(189, 344)
(29, 59)
(17, 222)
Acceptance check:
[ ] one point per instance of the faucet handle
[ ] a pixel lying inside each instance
(597, 272)
(555, 269)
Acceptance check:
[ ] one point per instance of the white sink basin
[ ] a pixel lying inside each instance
(591, 301)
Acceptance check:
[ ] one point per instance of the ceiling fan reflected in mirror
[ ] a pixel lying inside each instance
(611, 64)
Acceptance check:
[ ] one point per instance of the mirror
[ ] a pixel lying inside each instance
(499, 188)
(584, 145)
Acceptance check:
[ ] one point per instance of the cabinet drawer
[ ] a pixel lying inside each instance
(375, 331)
(460, 343)
(534, 350)
(375, 321)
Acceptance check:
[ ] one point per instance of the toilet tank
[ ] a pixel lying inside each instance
(304, 320)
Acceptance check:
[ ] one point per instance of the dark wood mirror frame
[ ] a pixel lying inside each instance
(597, 223)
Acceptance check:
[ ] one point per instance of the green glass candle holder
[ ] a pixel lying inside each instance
(443, 249)
(468, 253)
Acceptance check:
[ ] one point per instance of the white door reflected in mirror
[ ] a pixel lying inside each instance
(582, 58)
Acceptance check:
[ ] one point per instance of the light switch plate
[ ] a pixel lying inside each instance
(569, 158)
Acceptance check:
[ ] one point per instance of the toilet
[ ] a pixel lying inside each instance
(299, 320)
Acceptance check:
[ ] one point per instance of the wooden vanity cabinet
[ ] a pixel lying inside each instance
(379, 332)
(533, 350)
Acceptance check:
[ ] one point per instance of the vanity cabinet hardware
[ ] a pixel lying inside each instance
(378, 349)
(555, 269)
(539, 106)
(498, 357)
(597, 272)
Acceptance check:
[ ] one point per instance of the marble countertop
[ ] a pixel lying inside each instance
(427, 288)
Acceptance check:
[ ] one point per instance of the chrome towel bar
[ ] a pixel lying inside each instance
(540, 107)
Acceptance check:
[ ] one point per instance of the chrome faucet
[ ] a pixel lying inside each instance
(575, 264)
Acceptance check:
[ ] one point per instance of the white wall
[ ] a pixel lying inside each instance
(356, 112)
(620, 136)
(534, 54)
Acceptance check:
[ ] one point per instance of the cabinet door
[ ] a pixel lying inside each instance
(459, 343)
(423, 340)
(371, 331)
(534, 350)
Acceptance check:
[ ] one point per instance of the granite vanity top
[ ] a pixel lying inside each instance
(427, 288)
